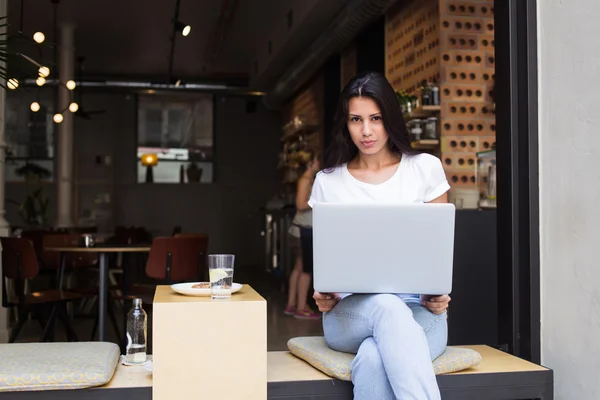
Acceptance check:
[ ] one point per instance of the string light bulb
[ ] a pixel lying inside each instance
(12, 83)
(44, 72)
(58, 118)
(40, 81)
(73, 107)
(39, 37)
(71, 84)
(35, 106)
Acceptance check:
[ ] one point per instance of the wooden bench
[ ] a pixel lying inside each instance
(500, 376)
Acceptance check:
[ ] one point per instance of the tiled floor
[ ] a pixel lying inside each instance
(280, 327)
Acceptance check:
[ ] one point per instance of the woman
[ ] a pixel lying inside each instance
(370, 160)
(301, 232)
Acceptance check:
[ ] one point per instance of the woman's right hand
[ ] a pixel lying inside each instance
(326, 301)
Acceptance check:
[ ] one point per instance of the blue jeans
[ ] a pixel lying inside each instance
(394, 343)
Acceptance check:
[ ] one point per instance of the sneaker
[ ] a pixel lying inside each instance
(307, 313)
(290, 310)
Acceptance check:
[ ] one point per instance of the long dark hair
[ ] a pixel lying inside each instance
(374, 86)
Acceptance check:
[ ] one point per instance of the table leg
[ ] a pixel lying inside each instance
(61, 270)
(102, 296)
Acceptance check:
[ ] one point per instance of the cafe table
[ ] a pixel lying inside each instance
(103, 250)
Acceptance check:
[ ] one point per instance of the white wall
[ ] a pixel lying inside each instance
(569, 65)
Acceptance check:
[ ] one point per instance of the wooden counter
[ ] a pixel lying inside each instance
(209, 348)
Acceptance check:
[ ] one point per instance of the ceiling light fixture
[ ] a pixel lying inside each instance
(35, 106)
(39, 37)
(12, 83)
(44, 72)
(184, 29)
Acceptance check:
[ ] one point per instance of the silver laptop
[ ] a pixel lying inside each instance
(383, 248)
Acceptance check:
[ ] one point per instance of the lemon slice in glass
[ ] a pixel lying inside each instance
(217, 274)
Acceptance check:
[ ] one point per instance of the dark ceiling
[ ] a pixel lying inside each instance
(131, 38)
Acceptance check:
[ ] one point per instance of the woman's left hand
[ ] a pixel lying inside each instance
(436, 304)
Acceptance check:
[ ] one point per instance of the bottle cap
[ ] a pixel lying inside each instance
(137, 302)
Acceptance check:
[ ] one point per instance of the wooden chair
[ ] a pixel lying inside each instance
(73, 262)
(171, 259)
(178, 259)
(19, 263)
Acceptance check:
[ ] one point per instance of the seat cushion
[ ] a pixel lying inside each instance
(314, 350)
(54, 366)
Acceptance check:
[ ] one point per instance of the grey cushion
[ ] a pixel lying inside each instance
(314, 350)
(54, 366)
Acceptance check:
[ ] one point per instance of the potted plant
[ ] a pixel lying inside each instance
(32, 172)
(33, 210)
(407, 101)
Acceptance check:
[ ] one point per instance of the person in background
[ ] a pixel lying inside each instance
(370, 161)
(301, 232)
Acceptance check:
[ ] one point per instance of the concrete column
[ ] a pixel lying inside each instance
(4, 227)
(64, 148)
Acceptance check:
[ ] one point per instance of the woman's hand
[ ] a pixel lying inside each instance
(326, 301)
(436, 304)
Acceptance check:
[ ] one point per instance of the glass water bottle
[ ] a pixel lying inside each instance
(136, 334)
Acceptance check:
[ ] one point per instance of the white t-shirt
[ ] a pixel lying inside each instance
(418, 179)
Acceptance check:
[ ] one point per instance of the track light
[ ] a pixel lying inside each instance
(39, 37)
(40, 81)
(58, 118)
(183, 28)
(44, 72)
(35, 106)
(73, 107)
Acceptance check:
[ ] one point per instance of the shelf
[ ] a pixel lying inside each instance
(425, 144)
(423, 112)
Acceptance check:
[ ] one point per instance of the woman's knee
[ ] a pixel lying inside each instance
(389, 304)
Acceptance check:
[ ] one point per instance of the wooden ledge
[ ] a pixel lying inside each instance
(499, 376)
(285, 367)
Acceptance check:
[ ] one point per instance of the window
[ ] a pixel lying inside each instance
(179, 130)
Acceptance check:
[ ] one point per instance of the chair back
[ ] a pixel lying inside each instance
(19, 262)
(192, 235)
(177, 259)
(18, 258)
(37, 239)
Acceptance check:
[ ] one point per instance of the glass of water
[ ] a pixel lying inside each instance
(220, 271)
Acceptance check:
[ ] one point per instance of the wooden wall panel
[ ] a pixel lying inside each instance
(467, 83)
(308, 104)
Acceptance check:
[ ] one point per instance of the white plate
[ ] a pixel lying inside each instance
(186, 289)
(148, 366)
